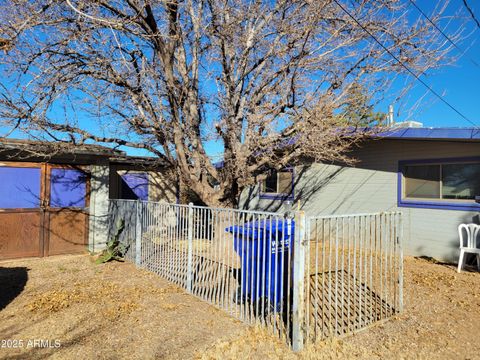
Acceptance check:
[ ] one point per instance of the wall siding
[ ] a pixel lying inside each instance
(371, 185)
(163, 186)
(98, 226)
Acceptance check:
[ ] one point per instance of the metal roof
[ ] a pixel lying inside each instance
(439, 133)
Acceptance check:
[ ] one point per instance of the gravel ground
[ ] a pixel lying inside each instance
(113, 311)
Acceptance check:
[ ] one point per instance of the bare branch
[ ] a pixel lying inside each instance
(265, 83)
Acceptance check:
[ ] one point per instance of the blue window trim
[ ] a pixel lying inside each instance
(278, 196)
(426, 204)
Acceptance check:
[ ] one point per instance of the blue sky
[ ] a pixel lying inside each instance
(458, 83)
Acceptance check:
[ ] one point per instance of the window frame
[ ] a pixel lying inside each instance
(84, 169)
(279, 196)
(425, 203)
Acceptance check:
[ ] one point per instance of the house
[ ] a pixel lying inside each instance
(432, 175)
(58, 203)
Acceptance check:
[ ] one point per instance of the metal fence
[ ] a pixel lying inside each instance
(286, 274)
(239, 261)
(354, 271)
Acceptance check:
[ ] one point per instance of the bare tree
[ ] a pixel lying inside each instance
(266, 80)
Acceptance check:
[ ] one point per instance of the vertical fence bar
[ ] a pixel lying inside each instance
(289, 273)
(138, 235)
(298, 307)
(400, 265)
(190, 248)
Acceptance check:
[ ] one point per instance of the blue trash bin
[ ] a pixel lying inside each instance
(264, 265)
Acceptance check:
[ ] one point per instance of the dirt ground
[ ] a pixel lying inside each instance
(113, 311)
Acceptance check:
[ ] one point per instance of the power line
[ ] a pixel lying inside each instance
(442, 32)
(404, 66)
(472, 14)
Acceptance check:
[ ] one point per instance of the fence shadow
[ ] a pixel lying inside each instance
(340, 304)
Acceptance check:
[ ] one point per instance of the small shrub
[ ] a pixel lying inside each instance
(114, 250)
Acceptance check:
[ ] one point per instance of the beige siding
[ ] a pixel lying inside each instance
(162, 186)
(371, 185)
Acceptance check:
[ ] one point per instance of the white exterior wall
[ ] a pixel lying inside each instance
(99, 196)
(371, 186)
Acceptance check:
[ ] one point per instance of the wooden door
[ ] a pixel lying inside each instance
(66, 215)
(43, 209)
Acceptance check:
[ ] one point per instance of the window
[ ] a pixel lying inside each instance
(277, 185)
(450, 184)
(68, 188)
(134, 185)
(422, 181)
(19, 187)
(460, 181)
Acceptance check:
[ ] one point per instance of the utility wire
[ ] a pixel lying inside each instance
(442, 32)
(472, 14)
(403, 65)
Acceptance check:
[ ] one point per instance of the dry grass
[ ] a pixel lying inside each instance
(110, 296)
(441, 321)
(106, 311)
(114, 311)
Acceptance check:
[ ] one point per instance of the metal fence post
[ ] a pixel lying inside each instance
(298, 306)
(138, 235)
(190, 248)
(400, 250)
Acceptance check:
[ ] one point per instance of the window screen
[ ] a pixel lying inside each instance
(134, 186)
(68, 188)
(19, 187)
(422, 181)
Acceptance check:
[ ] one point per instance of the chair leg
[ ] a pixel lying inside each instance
(478, 262)
(460, 260)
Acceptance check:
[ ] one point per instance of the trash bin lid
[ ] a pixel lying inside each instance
(256, 229)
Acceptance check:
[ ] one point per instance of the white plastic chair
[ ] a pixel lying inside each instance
(470, 246)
